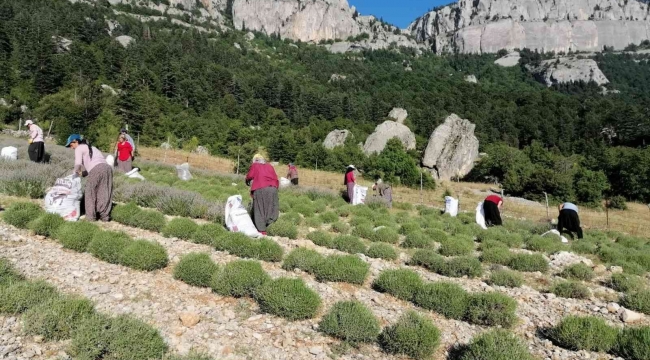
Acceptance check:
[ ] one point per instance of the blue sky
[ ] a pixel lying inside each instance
(400, 13)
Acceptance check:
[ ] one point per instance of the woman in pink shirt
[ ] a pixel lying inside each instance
(36, 148)
(99, 186)
(350, 181)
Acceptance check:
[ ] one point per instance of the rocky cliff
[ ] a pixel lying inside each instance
(487, 26)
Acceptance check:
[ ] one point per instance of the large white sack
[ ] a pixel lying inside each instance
(284, 182)
(183, 172)
(9, 153)
(135, 174)
(238, 219)
(451, 206)
(556, 233)
(110, 160)
(360, 193)
(64, 198)
(480, 216)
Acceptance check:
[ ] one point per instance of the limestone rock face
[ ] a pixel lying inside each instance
(452, 149)
(487, 26)
(510, 60)
(566, 70)
(336, 138)
(398, 114)
(124, 40)
(377, 141)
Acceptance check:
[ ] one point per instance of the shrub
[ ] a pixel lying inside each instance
(626, 282)
(630, 267)
(349, 244)
(46, 225)
(491, 309)
(181, 228)
(401, 283)
(304, 208)
(195, 269)
(513, 240)
(578, 271)
(417, 240)
(329, 217)
(437, 235)
(632, 343)
(241, 245)
(149, 220)
(350, 321)
(283, 229)
(21, 213)
(386, 235)
(344, 211)
(313, 221)
(239, 278)
(292, 218)
(547, 244)
(570, 289)
(76, 235)
(342, 268)
(444, 298)
(429, 259)
(496, 345)
(7, 273)
(584, 333)
(144, 255)
(303, 259)
(90, 338)
(358, 220)
(456, 246)
(363, 231)
(56, 318)
(506, 278)
(618, 202)
(583, 247)
(491, 244)
(528, 262)
(207, 234)
(638, 301)
(381, 251)
(340, 227)
(288, 298)
(109, 245)
(125, 214)
(320, 238)
(22, 296)
(267, 250)
(463, 266)
(409, 228)
(129, 338)
(497, 255)
(413, 335)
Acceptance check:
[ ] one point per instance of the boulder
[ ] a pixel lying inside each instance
(510, 60)
(336, 78)
(250, 36)
(471, 79)
(336, 138)
(201, 150)
(452, 149)
(62, 44)
(189, 319)
(398, 114)
(124, 40)
(108, 89)
(237, 46)
(567, 70)
(377, 141)
(629, 316)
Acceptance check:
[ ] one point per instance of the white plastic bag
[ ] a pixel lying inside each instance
(480, 216)
(64, 198)
(556, 233)
(110, 160)
(284, 182)
(135, 174)
(237, 218)
(360, 193)
(451, 206)
(183, 172)
(9, 153)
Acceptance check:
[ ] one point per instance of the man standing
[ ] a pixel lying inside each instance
(36, 148)
(129, 139)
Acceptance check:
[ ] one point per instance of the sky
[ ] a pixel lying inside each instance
(400, 13)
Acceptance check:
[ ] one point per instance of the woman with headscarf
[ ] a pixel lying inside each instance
(264, 189)
(99, 186)
(36, 149)
(124, 154)
(349, 181)
(385, 191)
(568, 221)
(491, 206)
(292, 174)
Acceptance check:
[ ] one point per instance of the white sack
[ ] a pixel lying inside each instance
(556, 233)
(284, 182)
(64, 198)
(360, 193)
(183, 172)
(135, 174)
(110, 160)
(451, 206)
(238, 219)
(9, 153)
(480, 216)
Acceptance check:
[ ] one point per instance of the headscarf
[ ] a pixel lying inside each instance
(259, 159)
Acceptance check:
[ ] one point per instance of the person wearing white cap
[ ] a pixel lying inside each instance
(350, 181)
(36, 148)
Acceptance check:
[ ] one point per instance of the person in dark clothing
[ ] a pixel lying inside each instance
(491, 206)
(264, 188)
(292, 174)
(36, 149)
(568, 222)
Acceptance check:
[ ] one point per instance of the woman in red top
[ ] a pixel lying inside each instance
(124, 153)
(491, 206)
(264, 189)
(350, 181)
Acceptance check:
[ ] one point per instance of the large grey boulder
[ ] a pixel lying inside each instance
(452, 149)
(510, 60)
(336, 138)
(124, 40)
(567, 70)
(398, 114)
(377, 141)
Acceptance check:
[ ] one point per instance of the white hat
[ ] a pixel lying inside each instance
(351, 167)
(29, 122)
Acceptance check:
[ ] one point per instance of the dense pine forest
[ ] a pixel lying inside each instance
(234, 95)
